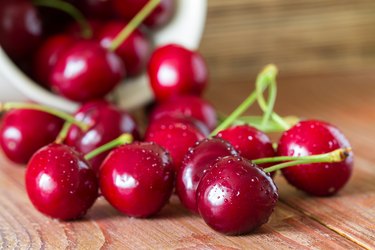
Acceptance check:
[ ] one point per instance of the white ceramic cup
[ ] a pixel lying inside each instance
(186, 28)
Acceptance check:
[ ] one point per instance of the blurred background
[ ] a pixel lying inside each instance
(301, 37)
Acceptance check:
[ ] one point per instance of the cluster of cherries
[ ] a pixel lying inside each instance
(221, 171)
(109, 41)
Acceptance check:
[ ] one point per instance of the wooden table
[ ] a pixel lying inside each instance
(345, 221)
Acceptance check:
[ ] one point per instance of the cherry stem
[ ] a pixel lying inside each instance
(270, 127)
(133, 24)
(268, 71)
(121, 140)
(337, 155)
(70, 10)
(63, 133)
(66, 117)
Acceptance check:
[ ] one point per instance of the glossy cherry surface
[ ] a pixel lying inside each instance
(60, 183)
(127, 9)
(23, 132)
(47, 55)
(86, 71)
(315, 137)
(250, 142)
(135, 51)
(106, 121)
(175, 136)
(235, 196)
(196, 163)
(137, 179)
(191, 106)
(174, 70)
(20, 27)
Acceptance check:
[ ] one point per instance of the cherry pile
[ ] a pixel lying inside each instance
(222, 171)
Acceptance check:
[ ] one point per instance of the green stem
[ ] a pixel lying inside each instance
(270, 127)
(121, 140)
(245, 104)
(337, 155)
(69, 9)
(133, 24)
(63, 133)
(66, 117)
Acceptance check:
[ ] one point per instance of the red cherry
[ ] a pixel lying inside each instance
(20, 28)
(86, 71)
(60, 183)
(175, 136)
(127, 9)
(174, 70)
(190, 106)
(135, 51)
(235, 196)
(75, 30)
(106, 121)
(250, 142)
(196, 163)
(47, 55)
(137, 179)
(100, 9)
(312, 137)
(24, 131)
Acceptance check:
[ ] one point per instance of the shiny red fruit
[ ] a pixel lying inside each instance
(135, 51)
(23, 132)
(190, 106)
(312, 137)
(86, 71)
(198, 160)
(174, 71)
(235, 196)
(127, 9)
(20, 28)
(75, 30)
(250, 142)
(107, 122)
(60, 183)
(137, 179)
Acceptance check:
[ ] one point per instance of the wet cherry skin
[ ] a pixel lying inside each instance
(176, 136)
(174, 70)
(250, 142)
(60, 183)
(235, 196)
(23, 132)
(20, 28)
(86, 71)
(315, 137)
(135, 51)
(196, 163)
(106, 121)
(127, 9)
(137, 179)
(191, 106)
(47, 55)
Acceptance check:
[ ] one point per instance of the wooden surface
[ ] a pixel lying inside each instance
(345, 221)
(300, 36)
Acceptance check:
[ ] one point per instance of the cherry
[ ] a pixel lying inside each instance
(75, 29)
(196, 163)
(106, 123)
(175, 136)
(127, 9)
(312, 137)
(86, 71)
(250, 142)
(191, 106)
(137, 179)
(235, 196)
(47, 55)
(174, 70)
(20, 28)
(134, 51)
(60, 183)
(24, 131)
(100, 9)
